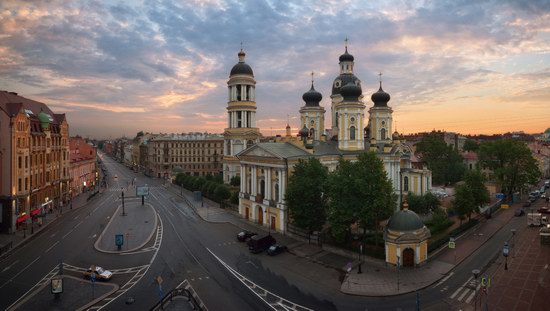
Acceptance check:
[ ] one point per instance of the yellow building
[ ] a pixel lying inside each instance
(406, 239)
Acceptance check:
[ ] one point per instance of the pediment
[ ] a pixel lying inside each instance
(257, 151)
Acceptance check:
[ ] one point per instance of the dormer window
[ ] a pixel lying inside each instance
(337, 83)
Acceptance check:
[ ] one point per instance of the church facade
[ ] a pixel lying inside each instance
(264, 168)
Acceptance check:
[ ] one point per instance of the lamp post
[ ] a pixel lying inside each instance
(505, 252)
(360, 257)
(123, 210)
(398, 264)
(476, 274)
(513, 241)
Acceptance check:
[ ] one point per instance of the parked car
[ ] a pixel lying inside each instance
(527, 204)
(245, 235)
(544, 210)
(258, 244)
(519, 212)
(543, 195)
(100, 273)
(276, 249)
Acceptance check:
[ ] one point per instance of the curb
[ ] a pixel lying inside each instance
(128, 250)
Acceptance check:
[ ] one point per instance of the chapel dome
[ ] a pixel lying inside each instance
(405, 220)
(241, 67)
(312, 97)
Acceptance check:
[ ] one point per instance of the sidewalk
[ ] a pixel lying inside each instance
(377, 278)
(21, 237)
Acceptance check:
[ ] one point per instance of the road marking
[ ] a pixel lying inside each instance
(67, 234)
(54, 244)
(463, 294)
(458, 290)
(21, 271)
(443, 280)
(76, 217)
(78, 224)
(51, 236)
(472, 294)
(8, 267)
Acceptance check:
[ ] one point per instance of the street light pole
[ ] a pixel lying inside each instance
(360, 257)
(513, 241)
(398, 264)
(123, 210)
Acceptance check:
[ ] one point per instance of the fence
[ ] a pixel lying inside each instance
(314, 237)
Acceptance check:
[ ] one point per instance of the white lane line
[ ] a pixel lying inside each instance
(8, 267)
(54, 244)
(51, 236)
(76, 217)
(472, 294)
(67, 234)
(458, 290)
(78, 224)
(21, 271)
(463, 294)
(443, 280)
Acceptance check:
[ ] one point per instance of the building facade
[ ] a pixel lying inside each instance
(83, 167)
(265, 167)
(34, 161)
(241, 131)
(196, 154)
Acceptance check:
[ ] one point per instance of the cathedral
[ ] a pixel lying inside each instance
(264, 167)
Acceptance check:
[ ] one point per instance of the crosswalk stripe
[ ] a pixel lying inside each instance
(472, 294)
(458, 290)
(463, 294)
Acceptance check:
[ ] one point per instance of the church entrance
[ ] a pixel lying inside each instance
(408, 257)
(260, 214)
(247, 213)
(273, 222)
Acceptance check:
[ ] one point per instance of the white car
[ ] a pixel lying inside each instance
(116, 176)
(100, 273)
(543, 195)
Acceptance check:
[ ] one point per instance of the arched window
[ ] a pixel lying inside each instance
(406, 183)
(383, 134)
(352, 133)
(262, 188)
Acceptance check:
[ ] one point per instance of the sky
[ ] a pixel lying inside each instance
(116, 68)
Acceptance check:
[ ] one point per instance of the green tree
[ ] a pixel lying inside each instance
(375, 192)
(305, 194)
(235, 181)
(234, 199)
(223, 193)
(464, 202)
(511, 162)
(470, 145)
(343, 203)
(423, 204)
(432, 202)
(444, 161)
(475, 180)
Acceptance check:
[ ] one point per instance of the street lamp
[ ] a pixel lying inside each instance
(476, 274)
(505, 252)
(123, 211)
(513, 241)
(398, 264)
(360, 257)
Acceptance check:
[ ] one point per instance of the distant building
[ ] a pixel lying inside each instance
(196, 154)
(83, 167)
(34, 160)
(265, 167)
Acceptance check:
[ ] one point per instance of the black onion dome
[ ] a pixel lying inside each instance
(344, 79)
(351, 92)
(346, 57)
(405, 220)
(312, 97)
(380, 98)
(241, 67)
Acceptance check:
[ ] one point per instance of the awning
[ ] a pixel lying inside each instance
(22, 218)
(35, 212)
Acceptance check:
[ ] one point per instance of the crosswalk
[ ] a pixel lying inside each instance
(467, 291)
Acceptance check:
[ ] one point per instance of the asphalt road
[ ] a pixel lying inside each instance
(219, 269)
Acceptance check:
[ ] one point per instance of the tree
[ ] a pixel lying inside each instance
(235, 181)
(432, 202)
(305, 194)
(222, 192)
(375, 192)
(511, 162)
(475, 181)
(444, 161)
(470, 145)
(463, 203)
(423, 204)
(343, 203)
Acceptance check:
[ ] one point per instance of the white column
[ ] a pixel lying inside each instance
(268, 183)
(254, 181)
(253, 119)
(243, 87)
(282, 185)
(417, 255)
(252, 93)
(243, 178)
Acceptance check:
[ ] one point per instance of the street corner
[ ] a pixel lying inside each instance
(65, 293)
(130, 228)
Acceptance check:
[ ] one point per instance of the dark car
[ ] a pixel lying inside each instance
(527, 204)
(276, 249)
(544, 210)
(258, 244)
(245, 235)
(519, 212)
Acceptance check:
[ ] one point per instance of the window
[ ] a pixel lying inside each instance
(19, 184)
(262, 188)
(19, 159)
(406, 183)
(276, 192)
(383, 134)
(352, 133)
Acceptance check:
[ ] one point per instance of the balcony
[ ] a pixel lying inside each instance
(259, 198)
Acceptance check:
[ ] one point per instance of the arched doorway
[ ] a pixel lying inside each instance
(260, 214)
(408, 257)
(246, 216)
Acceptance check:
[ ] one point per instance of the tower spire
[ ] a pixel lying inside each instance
(346, 43)
(380, 77)
(312, 78)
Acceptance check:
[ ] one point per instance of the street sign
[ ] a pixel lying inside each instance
(57, 286)
(500, 196)
(142, 190)
(452, 242)
(119, 240)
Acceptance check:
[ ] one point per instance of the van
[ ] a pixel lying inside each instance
(258, 244)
